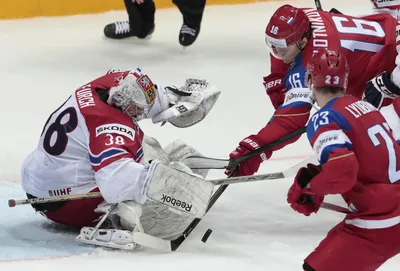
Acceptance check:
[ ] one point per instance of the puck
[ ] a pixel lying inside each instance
(206, 235)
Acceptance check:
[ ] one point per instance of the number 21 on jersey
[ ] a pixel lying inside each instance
(373, 132)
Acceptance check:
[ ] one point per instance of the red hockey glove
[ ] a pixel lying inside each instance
(275, 87)
(251, 165)
(299, 197)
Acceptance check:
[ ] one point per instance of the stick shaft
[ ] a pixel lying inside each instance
(334, 207)
(13, 202)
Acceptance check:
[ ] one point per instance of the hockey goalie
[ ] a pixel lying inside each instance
(93, 142)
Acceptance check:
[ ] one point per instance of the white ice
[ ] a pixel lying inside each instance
(43, 60)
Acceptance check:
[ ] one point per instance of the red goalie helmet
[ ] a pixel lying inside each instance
(286, 27)
(328, 68)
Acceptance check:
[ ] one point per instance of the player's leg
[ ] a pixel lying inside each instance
(192, 12)
(140, 24)
(350, 248)
(75, 213)
(175, 197)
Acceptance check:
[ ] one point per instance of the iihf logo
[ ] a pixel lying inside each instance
(60, 192)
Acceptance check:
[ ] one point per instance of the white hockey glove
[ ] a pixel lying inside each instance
(187, 105)
(178, 189)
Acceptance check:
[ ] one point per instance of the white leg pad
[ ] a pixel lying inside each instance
(130, 214)
(162, 221)
(178, 151)
(177, 189)
(152, 150)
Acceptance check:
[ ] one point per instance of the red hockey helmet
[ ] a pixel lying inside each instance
(328, 68)
(287, 26)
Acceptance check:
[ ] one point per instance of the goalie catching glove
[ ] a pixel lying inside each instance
(136, 95)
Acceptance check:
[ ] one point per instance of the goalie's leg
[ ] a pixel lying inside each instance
(175, 198)
(178, 189)
(178, 151)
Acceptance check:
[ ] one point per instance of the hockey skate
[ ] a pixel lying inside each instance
(188, 35)
(119, 239)
(108, 232)
(122, 30)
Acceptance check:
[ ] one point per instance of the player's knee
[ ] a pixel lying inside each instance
(307, 267)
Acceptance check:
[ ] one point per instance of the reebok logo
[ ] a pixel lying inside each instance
(174, 202)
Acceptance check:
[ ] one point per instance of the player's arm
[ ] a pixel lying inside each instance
(334, 151)
(274, 82)
(290, 116)
(114, 152)
(136, 94)
(391, 4)
(383, 88)
(339, 166)
(391, 113)
(115, 156)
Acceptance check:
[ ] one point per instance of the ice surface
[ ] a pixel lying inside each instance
(43, 60)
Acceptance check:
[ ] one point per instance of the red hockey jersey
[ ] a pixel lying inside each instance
(369, 44)
(360, 160)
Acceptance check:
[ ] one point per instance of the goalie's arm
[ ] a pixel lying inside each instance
(184, 106)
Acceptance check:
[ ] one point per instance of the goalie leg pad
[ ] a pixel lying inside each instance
(178, 151)
(177, 189)
(161, 221)
(152, 150)
(130, 214)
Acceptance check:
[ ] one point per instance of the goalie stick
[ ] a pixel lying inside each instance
(167, 245)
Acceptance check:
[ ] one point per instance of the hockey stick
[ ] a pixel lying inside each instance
(262, 177)
(334, 207)
(223, 181)
(158, 243)
(166, 245)
(318, 4)
(201, 162)
(13, 202)
(319, 7)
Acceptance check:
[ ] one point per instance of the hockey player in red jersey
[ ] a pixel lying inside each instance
(93, 142)
(387, 6)
(292, 35)
(345, 134)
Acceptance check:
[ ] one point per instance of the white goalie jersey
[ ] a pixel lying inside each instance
(88, 144)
